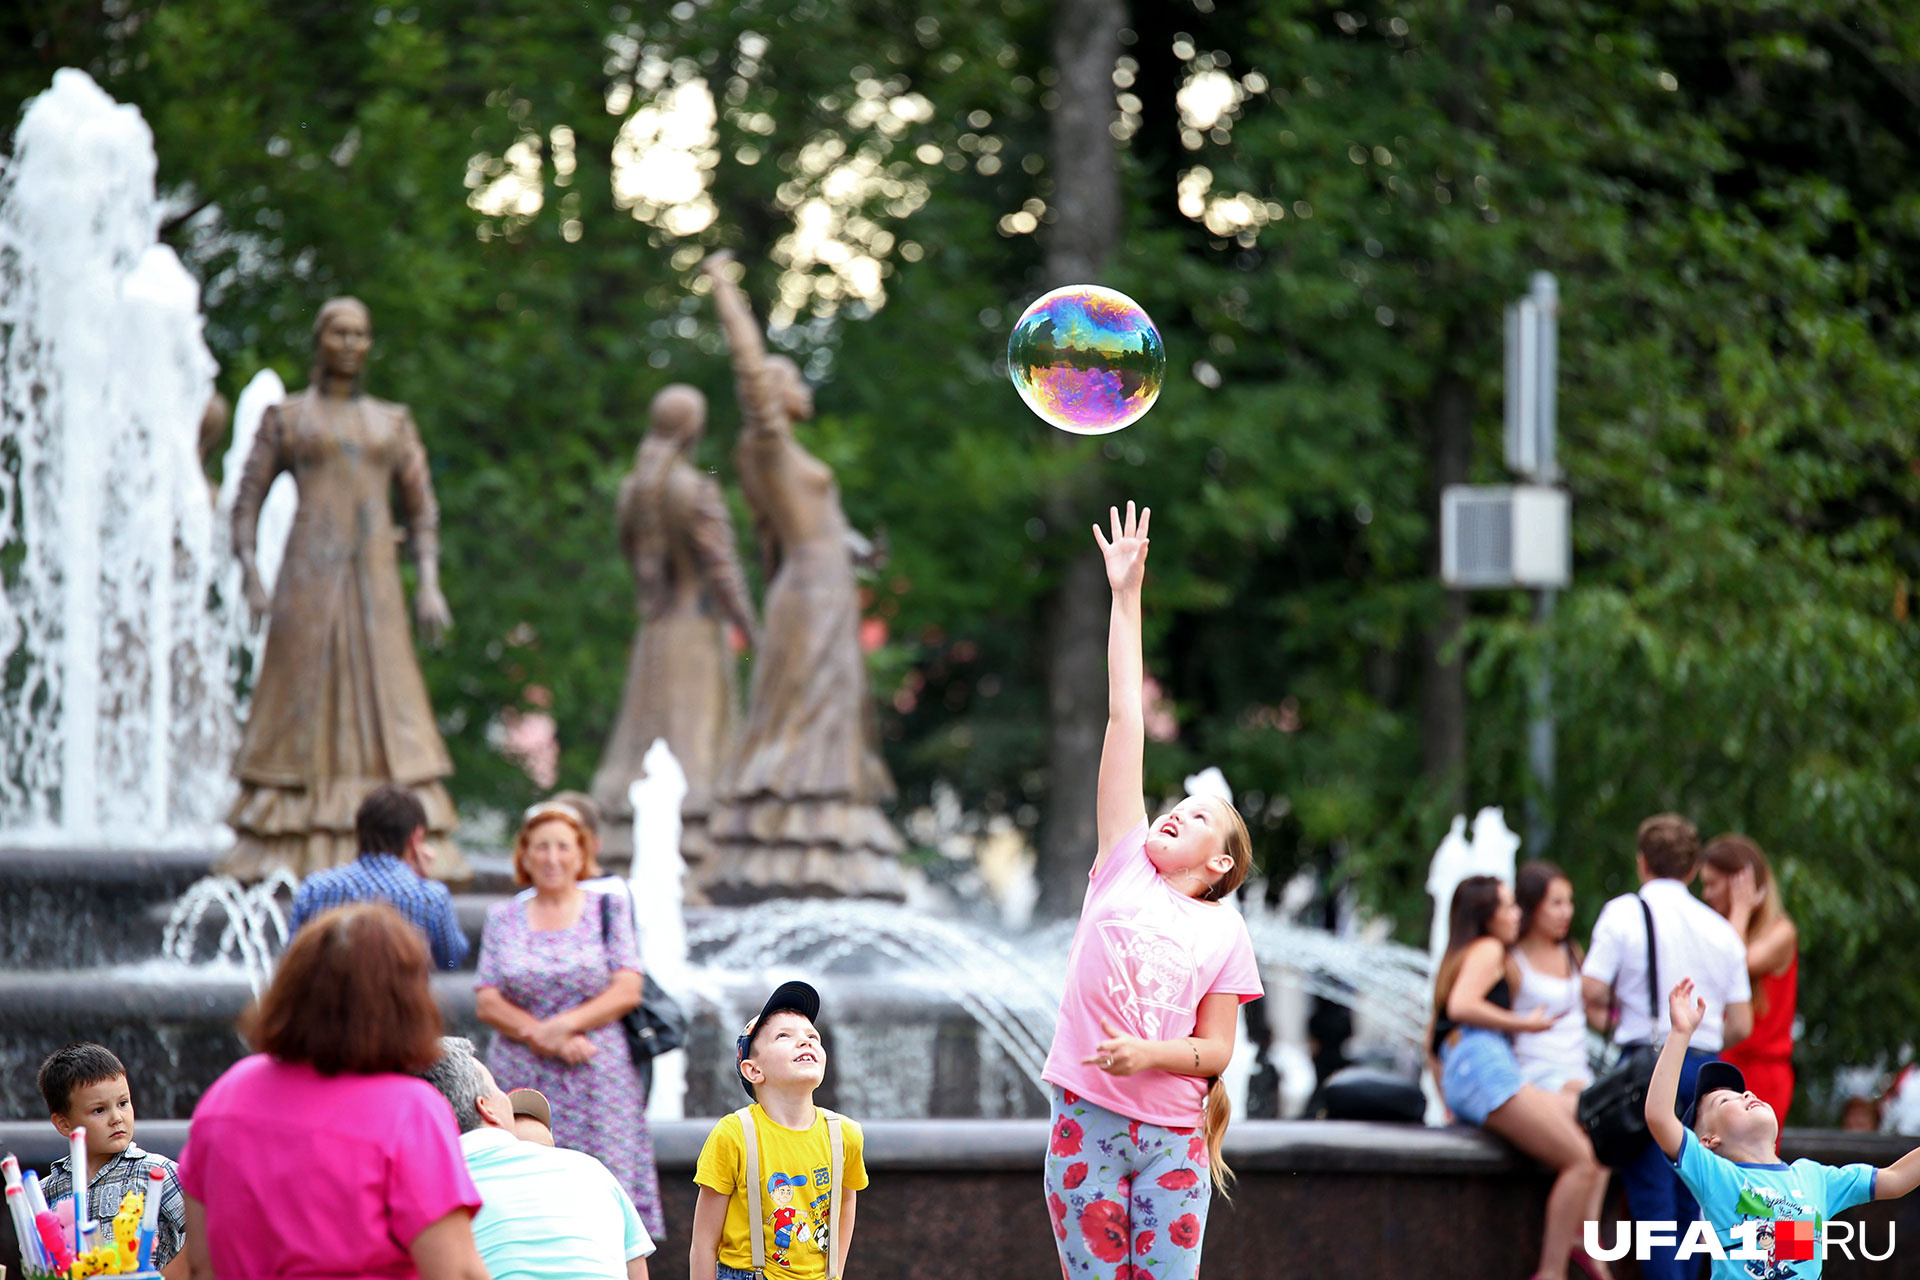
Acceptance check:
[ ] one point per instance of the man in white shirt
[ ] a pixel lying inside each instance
(1690, 940)
(546, 1212)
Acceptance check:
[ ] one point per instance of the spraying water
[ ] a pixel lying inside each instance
(253, 929)
(658, 880)
(1011, 997)
(117, 711)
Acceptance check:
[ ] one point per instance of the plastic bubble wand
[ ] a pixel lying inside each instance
(150, 1216)
(23, 1229)
(53, 1241)
(21, 1212)
(77, 1165)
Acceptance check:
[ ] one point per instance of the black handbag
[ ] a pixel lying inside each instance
(659, 1025)
(1369, 1093)
(1613, 1109)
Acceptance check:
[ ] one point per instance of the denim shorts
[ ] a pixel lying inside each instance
(721, 1271)
(1478, 1074)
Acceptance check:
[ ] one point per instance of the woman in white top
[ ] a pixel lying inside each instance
(1555, 1060)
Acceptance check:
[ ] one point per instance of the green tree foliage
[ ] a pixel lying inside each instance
(1327, 210)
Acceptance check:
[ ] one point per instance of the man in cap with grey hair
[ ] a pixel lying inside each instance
(548, 1212)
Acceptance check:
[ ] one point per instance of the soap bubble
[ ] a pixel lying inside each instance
(1087, 359)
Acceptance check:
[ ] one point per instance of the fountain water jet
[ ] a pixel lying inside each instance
(117, 707)
(254, 931)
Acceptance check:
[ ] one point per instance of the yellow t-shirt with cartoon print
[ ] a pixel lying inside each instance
(796, 1167)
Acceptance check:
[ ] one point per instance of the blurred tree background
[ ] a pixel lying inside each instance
(1324, 209)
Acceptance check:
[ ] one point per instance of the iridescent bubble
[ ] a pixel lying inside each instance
(1087, 359)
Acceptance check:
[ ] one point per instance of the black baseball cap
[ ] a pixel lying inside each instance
(788, 997)
(1713, 1076)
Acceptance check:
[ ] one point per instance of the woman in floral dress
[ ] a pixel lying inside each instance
(557, 972)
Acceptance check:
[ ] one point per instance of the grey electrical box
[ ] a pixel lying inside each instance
(1499, 536)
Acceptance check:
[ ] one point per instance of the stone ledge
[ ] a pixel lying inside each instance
(1326, 1199)
(1004, 1146)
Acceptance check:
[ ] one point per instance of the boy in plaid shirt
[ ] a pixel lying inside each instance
(85, 1087)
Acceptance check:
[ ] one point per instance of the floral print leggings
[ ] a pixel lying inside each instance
(1128, 1199)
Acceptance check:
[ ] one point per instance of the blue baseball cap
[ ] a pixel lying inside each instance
(788, 997)
(1713, 1076)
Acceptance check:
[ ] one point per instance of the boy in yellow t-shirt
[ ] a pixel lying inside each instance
(800, 1159)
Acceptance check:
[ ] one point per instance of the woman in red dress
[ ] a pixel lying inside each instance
(1738, 883)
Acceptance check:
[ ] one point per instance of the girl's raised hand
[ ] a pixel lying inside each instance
(1126, 552)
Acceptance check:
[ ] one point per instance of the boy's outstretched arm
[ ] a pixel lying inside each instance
(1664, 1090)
(1898, 1178)
(1121, 799)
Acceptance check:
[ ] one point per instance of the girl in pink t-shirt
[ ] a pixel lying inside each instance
(1159, 968)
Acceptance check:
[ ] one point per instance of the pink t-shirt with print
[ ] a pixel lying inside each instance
(1143, 956)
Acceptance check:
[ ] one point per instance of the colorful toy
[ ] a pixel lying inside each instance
(20, 1209)
(150, 1219)
(46, 1233)
(77, 1165)
(58, 1253)
(126, 1231)
(23, 1230)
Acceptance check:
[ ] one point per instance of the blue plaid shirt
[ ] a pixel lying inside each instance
(381, 877)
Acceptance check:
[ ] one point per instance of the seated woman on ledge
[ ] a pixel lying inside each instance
(1473, 1018)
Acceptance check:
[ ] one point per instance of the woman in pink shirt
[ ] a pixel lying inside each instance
(1159, 968)
(322, 1155)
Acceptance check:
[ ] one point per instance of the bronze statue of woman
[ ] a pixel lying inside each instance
(798, 813)
(678, 540)
(339, 705)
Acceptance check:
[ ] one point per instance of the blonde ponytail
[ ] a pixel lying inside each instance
(1213, 1127)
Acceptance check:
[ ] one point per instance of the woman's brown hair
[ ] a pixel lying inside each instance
(552, 812)
(350, 997)
(1475, 900)
(1733, 853)
(1531, 884)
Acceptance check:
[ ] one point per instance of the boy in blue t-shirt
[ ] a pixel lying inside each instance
(1725, 1153)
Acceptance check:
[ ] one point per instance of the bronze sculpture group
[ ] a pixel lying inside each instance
(783, 801)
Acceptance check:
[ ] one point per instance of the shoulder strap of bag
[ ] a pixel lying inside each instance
(1653, 968)
(836, 1166)
(756, 1226)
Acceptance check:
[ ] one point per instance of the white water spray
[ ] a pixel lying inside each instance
(117, 709)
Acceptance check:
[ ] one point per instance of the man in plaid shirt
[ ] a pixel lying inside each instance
(391, 827)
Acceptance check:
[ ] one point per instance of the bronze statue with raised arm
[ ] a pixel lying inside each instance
(678, 539)
(339, 705)
(798, 813)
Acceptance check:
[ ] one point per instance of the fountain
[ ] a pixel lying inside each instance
(657, 886)
(117, 711)
(120, 715)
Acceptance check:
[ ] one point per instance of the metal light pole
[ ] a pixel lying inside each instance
(1497, 537)
(1533, 351)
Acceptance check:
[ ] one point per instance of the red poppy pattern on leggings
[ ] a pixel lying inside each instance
(1128, 1200)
